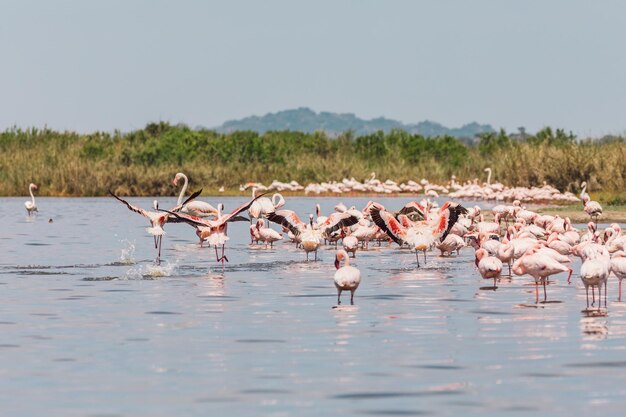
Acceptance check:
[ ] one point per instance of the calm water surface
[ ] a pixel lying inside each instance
(89, 327)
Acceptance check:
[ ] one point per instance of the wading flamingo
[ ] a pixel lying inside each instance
(30, 205)
(347, 278)
(489, 267)
(194, 208)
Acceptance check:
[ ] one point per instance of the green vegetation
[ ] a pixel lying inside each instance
(143, 162)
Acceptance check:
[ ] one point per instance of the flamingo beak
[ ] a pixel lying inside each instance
(337, 264)
(175, 182)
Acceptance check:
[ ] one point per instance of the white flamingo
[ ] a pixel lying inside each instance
(347, 277)
(266, 234)
(193, 208)
(594, 272)
(30, 205)
(157, 219)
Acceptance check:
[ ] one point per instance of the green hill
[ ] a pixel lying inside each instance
(306, 120)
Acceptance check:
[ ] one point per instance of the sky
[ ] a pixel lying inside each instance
(105, 65)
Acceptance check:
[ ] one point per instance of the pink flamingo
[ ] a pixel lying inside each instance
(539, 266)
(488, 266)
(594, 272)
(618, 266)
(30, 205)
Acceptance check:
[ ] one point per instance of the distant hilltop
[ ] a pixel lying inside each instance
(304, 119)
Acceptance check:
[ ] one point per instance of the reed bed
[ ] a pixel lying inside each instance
(144, 161)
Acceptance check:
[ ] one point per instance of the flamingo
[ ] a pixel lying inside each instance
(594, 272)
(450, 244)
(194, 208)
(30, 205)
(618, 267)
(592, 208)
(505, 253)
(422, 235)
(157, 219)
(214, 231)
(266, 234)
(488, 266)
(262, 206)
(347, 278)
(349, 242)
(539, 266)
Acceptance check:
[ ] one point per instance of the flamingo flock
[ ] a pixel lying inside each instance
(473, 189)
(517, 242)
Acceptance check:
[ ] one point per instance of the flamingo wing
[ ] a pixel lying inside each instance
(388, 224)
(338, 220)
(245, 206)
(191, 220)
(191, 197)
(414, 207)
(288, 219)
(130, 206)
(455, 210)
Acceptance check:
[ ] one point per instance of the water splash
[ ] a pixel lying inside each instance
(128, 252)
(151, 271)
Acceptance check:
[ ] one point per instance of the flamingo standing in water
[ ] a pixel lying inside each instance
(618, 267)
(214, 231)
(421, 235)
(347, 277)
(539, 266)
(267, 235)
(194, 208)
(30, 205)
(262, 206)
(594, 272)
(488, 266)
(157, 219)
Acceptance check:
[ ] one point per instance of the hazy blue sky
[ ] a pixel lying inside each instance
(89, 65)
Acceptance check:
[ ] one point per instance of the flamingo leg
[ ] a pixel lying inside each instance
(224, 258)
(536, 292)
(417, 259)
(587, 292)
(569, 276)
(352, 297)
(593, 295)
(545, 295)
(217, 258)
(605, 285)
(338, 296)
(510, 269)
(620, 291)
(424, 256)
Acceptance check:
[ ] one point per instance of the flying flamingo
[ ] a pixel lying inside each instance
(194, 208)
(618, 266)
(30, 205)
(488, 266)
(214, 231)
(347, 278)
(157, 219)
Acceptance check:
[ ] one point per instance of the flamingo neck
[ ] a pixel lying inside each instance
(489, 177)
(183, 190)
(253, 192)
(32, 196)
(276, 199)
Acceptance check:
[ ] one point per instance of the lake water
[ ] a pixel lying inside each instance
(89, 327)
